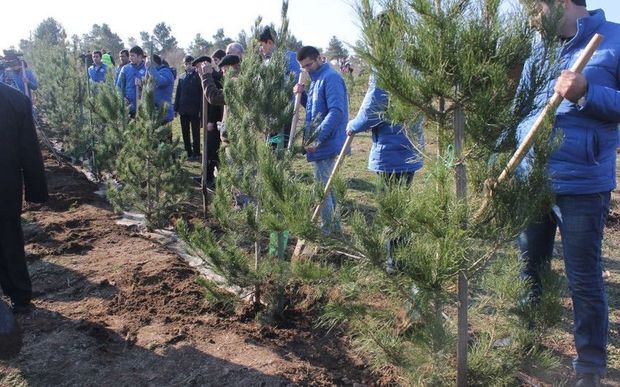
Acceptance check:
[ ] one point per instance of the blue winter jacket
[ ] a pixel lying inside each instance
(126, 82)
(33, 84)
(391, 149)
(163, 83)
(327, 100)
(97, 74)
(585, 162)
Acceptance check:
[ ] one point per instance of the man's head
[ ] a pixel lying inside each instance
(230, 63)
(157, 59)
(235, 48)
(309, 58)
(123, 55)
(266, 41)
(97, 58)
(559, 14)
(187, 63)
(136, 55)
(217, 56)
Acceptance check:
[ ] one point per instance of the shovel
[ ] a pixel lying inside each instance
(301, 244)
(527, 143)
(291, 139)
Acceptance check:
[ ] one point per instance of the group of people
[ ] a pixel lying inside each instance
(582, 170)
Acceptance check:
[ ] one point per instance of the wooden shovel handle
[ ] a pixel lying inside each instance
(330, 181)
(291, 139)
(551, 105)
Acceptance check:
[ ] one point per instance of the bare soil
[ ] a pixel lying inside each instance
(114, 308)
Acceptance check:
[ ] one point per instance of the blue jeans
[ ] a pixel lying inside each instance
(322, 170)
(581, 220)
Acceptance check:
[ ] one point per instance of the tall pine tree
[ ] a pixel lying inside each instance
(457, 62)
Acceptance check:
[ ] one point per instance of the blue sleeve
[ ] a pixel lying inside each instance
(120, 79)
(335, 96)
(293, 65)
(603, 103)
(372, 108)
(91, 75)
(157, 77)
(32, 80)
(161, 78)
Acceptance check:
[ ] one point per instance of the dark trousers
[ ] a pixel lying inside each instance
(393, 180)
(192, 145)
(581, 220)
(213, 148)
(14, 277)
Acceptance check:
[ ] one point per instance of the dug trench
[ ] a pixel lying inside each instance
(115, 308)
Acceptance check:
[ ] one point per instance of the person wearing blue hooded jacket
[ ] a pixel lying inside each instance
(582, 173)
(327, 113)
(393, 155)
(163, 85)
(130, 77)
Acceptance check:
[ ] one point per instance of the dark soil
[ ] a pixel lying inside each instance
(115, 308)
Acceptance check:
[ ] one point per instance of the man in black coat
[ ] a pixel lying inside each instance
(188, 104)
(22, 170)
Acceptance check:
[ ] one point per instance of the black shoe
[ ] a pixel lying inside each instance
(22, 308)
(588, 380)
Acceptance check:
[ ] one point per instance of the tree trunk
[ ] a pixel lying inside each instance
(461, 193)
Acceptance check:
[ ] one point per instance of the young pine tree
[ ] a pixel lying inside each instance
(148, 166)
(259, 179)
(62, 94)
(457, 62)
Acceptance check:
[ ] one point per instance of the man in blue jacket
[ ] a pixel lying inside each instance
(130, 78)
(327, 113)
(163, 84)
(582, 173)
(123, 57)
(98, 70)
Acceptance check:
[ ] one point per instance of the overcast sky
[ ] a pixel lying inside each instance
(312, 21)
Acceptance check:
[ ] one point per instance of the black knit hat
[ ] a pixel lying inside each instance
(580, 2)
(201, 59)
(230, 60)
(265, 35)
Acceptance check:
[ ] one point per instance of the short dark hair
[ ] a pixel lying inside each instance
(266, 35)
(157, 59)
(580, 2)
(137, 50)
(124, 51)
(219, 54)
(188, 58)
(307, 52)
(97, 52)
